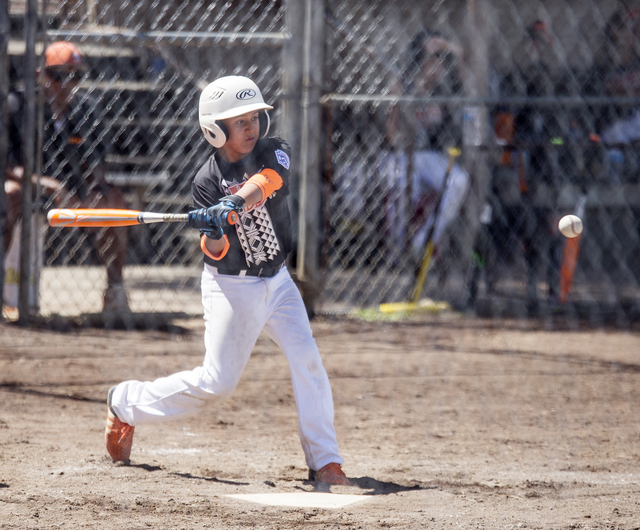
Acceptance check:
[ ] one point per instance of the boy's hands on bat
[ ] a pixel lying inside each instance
(213, 220)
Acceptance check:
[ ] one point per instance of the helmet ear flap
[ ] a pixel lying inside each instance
(223, 130)
(216, 134)
(265, 123)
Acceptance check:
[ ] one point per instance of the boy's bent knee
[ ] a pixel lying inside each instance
(216, 387)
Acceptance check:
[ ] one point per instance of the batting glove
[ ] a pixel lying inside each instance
(211, 221)
(200, 219)
(233, 202)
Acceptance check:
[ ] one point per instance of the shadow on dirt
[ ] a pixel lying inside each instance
(145, 467)
(20, 388)
(595, 364)
(210, 479)
(374, 487)
(117, 321)
(378, 487)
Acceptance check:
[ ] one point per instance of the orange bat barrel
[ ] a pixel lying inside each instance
(92, 217)
(568, 269)
(108, 217)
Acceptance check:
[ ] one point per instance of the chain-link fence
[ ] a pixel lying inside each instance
(148, 65)
(540, 97)
(129, 138)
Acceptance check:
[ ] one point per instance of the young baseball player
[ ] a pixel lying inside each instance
(246, 287)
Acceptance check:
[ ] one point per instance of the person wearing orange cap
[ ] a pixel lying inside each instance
(74, 150)
(618, 69)
(64, 54)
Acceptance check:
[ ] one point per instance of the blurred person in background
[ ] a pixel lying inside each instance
(74, 152)
(15, 170)
(14, 173)
(618, 71)
(537, 130)
(418, 136)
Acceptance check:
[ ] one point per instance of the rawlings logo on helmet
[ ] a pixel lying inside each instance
(247, 93)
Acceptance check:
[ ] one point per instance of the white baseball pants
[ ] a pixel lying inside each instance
(236, 310)
(429, 168)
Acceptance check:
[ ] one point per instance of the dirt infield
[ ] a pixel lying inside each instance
(444, 422)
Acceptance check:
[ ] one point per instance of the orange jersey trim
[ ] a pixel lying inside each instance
(223, 252)
(268, 181)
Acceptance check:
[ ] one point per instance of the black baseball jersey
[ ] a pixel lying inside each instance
(262, 236)
(75, 145)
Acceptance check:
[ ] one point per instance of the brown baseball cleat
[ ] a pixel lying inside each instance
(330, 474)
(118, 435)
(118, 438)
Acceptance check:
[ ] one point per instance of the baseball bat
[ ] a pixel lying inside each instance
(421, 273)
(570, 254)
(454, 153)
(109, 217)
(571, 250)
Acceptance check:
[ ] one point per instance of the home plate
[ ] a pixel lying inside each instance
(302, 499)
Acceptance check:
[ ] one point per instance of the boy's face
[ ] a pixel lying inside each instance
(244, 132)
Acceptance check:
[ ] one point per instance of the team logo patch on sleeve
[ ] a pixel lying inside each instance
(283, 158)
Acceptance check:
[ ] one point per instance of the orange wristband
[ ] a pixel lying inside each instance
(223, 253)
(268, 181)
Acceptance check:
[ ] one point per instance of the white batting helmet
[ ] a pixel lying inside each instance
(229, 97)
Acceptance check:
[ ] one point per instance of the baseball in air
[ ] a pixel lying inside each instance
(570, 226)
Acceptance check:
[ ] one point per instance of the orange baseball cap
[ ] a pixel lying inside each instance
(63, 53)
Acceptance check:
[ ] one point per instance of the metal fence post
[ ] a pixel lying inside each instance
(29, 134)
(309, 237)
(5, 29)
(475, 127)
(291, 105)
(301, 126)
